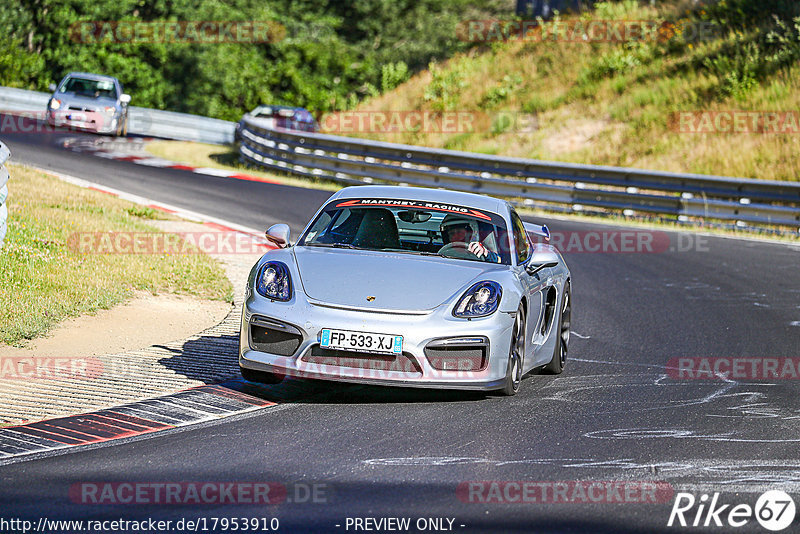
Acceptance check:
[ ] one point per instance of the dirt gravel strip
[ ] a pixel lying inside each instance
(205, 358)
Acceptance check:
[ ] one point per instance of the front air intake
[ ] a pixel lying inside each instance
(458, 354)
(274, 337)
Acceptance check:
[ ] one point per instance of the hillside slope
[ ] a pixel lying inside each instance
(619, 102)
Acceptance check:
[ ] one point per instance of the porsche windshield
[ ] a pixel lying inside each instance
(409, 226)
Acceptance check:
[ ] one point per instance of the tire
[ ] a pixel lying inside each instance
(122, 129)
(516, 354)
(261, 377)
(559, 359)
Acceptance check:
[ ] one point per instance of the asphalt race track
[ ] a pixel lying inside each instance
(245, 202)
(616, 415)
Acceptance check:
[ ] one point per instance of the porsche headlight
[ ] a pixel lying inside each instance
(55, 104)
(273, 281)
(480, 300)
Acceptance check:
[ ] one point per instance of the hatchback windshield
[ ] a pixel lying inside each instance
(413, 227)
(90, 88)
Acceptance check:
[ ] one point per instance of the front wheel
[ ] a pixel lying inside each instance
(561, 330)
(122, 128)
(516, 354)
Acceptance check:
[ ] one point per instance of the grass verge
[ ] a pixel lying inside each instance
(43, 281)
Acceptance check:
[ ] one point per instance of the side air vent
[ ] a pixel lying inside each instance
(549, 310)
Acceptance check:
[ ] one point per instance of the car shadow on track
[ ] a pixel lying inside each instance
(308, 391)
(345, 393)
(210, 358)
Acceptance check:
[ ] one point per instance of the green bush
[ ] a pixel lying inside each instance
(500, 93)
(18, 68)
(615, 10)
(754, 53)
(393, 74)
(756, 38)
(445, 86)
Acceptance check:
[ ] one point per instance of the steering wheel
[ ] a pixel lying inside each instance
(457, 249)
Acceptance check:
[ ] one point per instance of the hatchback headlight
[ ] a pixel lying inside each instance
(55, 104)
(273, 281)
(480, 300)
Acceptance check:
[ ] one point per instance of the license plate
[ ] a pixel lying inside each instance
(361, 341)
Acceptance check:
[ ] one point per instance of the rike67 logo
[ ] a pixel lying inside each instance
(774, 510)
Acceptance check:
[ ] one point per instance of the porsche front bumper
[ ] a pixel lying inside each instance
(439, 350)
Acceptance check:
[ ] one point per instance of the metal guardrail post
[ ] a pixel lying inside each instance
(5, 153)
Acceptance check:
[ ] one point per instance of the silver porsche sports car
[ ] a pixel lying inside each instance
(408, 287)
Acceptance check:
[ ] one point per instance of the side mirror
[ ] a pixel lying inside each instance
(51, 88)
(124, 98)
(278, 234)
(544, 256)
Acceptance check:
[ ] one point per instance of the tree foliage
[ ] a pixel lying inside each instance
(331, 55)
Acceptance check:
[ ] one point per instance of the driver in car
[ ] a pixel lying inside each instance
(460, 230)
